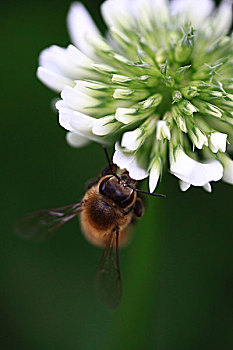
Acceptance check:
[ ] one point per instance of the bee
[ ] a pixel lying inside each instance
(110, 206)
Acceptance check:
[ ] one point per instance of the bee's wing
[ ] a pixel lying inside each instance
(40, 224)
(108, 279)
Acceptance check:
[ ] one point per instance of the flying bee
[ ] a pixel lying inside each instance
(109, 207)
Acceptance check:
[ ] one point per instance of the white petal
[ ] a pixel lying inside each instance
(53, 103)
(60, 104)
(122, 93)
(228, 169)
(201, 139)
(152, 12)
(77, 100)
(163, 131)
(153, 180)
(53, 80)
(99, 43)
(76, 140)
(181, 123)
(207, 187)
(154, 175)
(192, 11)
(80, 24)
(82, 123)
(198, 138)
(65, 116)
(223, 18)
(130, 162)
(60, 67)
(105, 125)
(69, 62)
(119, 13)
(78, 123)
(75, 121)
(131, 139)
(184, 186)
(93, 89)
(126, 115)
(228, 174)
(193, 172)
(80, 65)
(120, 78)
(54, 58)
(218, 142)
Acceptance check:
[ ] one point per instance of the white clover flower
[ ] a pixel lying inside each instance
(218, 142)
(163, 131)
(159, 85)
(227, 168)
(192, 172)
(134, 165)
(132, 140)
(155, 172)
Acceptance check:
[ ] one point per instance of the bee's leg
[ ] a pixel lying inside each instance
(128, 211)
(138, 208)
(92, 183)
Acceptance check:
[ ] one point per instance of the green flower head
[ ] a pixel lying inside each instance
(158, 85)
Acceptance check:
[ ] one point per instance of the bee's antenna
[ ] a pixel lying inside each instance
(109, 162)
(149, 193)
(107, 156)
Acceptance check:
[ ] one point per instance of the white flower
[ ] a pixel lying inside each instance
(201, 139)
(159, 80)
(126, 115)
(77, 123)
(201, 14)
(76, 140)
(218, 142)
(195, 12)
(126, 160)
(77, 100)
(184, 186)
(73, 120)
(132, 139)
(154, 175)
(163, 131)
(81, 27)
(198, 138)
(105, 125)
(119, 13)
(207, 187)
(193, 172)
(227, 169)
(60, 67)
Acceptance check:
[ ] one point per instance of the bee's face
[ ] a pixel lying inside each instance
(118, 191)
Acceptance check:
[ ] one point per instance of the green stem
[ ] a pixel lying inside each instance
(132, 320)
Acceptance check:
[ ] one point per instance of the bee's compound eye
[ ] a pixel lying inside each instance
(102, 187)
(121, 195)
(126, 200)
(111, 189)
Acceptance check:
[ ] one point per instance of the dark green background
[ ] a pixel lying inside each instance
(177, 272)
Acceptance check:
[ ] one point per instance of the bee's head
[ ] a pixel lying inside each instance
(118, 190)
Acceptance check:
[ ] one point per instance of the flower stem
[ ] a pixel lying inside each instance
(132, 322)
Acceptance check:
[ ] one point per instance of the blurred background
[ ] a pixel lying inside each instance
(177, 272)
